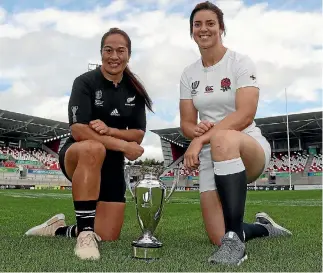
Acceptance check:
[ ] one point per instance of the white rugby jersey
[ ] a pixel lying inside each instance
(213, 88)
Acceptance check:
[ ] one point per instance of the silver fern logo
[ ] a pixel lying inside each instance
(131, 99)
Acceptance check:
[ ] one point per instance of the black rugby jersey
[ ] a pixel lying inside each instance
(94, 97)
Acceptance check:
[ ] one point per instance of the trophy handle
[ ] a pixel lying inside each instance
(127, 179)
(175, 182)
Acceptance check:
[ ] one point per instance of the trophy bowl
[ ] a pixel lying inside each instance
(149, 195)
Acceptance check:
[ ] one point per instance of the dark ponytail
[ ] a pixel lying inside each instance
(137, 85)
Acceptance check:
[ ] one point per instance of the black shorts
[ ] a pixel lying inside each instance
(113, 185)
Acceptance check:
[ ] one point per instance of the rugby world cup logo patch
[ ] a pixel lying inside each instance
(74, 110)
(195, 85)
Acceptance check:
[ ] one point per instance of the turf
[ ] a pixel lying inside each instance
(186, 247)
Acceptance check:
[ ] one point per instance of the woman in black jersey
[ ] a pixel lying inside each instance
(108, 121)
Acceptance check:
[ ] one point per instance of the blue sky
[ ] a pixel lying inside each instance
(4, 85)
(20, 5)
(275, 107)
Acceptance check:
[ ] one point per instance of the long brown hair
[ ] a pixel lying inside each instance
(137, 85)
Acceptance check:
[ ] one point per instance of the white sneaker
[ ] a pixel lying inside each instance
(49, 227)
(87, 246)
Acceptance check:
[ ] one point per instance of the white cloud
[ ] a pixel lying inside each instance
(53, 108)
(114, 8)
(42, 51)
(308, 110)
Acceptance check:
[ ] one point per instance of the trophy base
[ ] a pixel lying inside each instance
(146, 247)
(146, 253)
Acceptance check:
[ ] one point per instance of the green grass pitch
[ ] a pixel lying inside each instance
(186, 246)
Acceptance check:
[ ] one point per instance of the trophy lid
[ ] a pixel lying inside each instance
(149, 181)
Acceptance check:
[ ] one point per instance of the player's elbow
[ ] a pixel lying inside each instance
(247, 119)
(140, 136)
(78, 131)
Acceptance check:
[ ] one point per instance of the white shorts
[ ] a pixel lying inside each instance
(206, 173)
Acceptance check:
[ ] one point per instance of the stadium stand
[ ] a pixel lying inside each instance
(316, 164)
(305, 148)
(48, 160)
(29, 147)
(279, 162)
(30, 159)
(33, 143)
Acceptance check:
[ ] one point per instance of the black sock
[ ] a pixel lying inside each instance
(85, 215)
(254, 231)
(231, 182)
(67, 231)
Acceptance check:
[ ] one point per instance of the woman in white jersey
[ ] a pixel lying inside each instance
(230, 151)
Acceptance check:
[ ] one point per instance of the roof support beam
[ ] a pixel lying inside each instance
(16, 127)
(316, 119)
(45, 131)
(297, 129)
(285, 121)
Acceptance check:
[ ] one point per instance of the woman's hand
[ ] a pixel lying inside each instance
(202, 128)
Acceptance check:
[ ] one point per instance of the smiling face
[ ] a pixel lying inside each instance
(206, 29)
(115, 54)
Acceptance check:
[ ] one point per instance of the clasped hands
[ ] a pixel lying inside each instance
(191, 156)
(100, 127)
(132, 150)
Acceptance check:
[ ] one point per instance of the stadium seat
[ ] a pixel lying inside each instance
(279, 162)
(46, 160)
(316, 165)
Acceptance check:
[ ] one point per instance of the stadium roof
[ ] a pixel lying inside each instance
(273, 128)
(20, 126)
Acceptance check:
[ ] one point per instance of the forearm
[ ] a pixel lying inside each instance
(81, 132)
(234, 121)
(188, 128)
(128, 135)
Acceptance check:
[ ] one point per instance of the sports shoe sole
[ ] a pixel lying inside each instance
(49, 222)
(243, 259)
(272, 222)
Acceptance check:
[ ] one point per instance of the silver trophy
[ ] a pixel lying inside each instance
(149, 195)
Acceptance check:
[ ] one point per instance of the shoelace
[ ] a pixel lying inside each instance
(228, 246)
(89, 240)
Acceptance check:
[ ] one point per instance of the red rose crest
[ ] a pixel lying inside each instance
(225, 84)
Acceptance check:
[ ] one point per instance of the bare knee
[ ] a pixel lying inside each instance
(109, 220)
(106, 237)
(106, 234)
(225, 145)
(92, 152)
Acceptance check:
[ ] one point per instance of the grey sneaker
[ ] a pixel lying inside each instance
(231, 252)
(273, 228)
